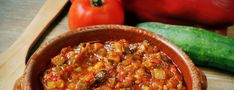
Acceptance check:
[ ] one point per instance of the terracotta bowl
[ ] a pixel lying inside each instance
(194, 79)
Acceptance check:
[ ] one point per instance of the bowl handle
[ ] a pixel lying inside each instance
(203, 79)
(19, 83)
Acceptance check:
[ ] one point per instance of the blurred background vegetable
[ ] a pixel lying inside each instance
(209, 14)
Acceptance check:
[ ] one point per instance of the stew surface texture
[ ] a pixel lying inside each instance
(113, 65)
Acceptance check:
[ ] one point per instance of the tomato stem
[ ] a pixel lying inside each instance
(97, 3)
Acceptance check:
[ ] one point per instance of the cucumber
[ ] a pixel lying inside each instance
(205, 48)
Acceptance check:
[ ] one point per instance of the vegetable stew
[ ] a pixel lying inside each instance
(113, 65)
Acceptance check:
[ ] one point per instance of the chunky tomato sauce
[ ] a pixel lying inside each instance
(117, 65)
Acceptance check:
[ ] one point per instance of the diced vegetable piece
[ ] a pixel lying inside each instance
(71, 85)
(133, 47)
(158, 55)
(147, 63)
(145, 42)
(65, 50)
(145, 87)
(78, 69)
(114, 57)
(135, 65)
(128, 59)
(138, 79)
(139, 75)
(55, 84)
(87, 77)
(51, 84)
(142, 48)
(81, 85)
(180, 85)
(118, 47)
(58, 60)
(155, 58)
(98, 66)
(149, 49)
(97, 46)
(112, 81)
(140, 72)
(165, 87)
(156, 61)
(90, 68)
(159, 74)
(57, 70)
(60, 83)
(172, 83)
(127, 81)
(101, 52)
(126, 62)
(100, 77)
(72, 55)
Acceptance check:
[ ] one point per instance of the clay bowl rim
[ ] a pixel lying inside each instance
(196, 79)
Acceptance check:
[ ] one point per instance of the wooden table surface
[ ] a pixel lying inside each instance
(15, 15)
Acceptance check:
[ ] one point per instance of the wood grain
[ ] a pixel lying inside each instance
(15, 15)
(230, 31)
(13, 59)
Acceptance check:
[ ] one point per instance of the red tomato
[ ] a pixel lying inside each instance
(93, 12)
(117, 0)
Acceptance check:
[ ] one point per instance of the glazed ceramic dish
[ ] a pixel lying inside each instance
(31, 80)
